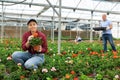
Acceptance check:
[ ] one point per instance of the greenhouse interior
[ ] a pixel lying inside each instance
(60, 55)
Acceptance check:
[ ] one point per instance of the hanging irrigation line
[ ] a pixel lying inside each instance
(13, 3)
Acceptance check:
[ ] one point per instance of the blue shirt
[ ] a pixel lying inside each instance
(106, 24)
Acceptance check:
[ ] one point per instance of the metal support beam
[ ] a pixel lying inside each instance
(59, 28)
(53, 23)
(21, 28)
(31, 3)
(28, 15)
(97, 5)
(42, 11)
(118, 29)
(63, 7)
(52, 7)
(77, 28)
(113, 7)
(100, 33)
(2, 27)
(91, 27)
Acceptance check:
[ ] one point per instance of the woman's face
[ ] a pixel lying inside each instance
(32, 26)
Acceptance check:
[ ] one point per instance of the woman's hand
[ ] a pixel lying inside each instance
(29, 38)
(40, 48)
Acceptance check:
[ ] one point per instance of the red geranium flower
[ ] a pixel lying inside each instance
(35, 34)
(72, 72)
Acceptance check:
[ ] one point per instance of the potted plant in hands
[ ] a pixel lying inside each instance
(36, 42)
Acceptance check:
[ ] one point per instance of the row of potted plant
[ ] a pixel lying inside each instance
(77, 61)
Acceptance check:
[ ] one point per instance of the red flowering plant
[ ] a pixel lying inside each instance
(35, 42)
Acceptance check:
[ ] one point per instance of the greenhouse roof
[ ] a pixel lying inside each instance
(70, 9)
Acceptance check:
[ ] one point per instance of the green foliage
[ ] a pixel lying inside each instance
(99, 77)
(35, 41)
(103, 67)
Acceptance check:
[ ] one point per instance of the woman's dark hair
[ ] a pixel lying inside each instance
(31, 20)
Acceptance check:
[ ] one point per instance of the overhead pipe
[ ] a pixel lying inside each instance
(63, 7)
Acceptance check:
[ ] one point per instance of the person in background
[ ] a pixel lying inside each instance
(107, 34)
(29, 58)
(78, 39)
